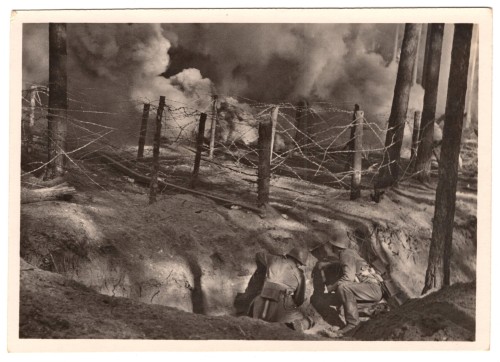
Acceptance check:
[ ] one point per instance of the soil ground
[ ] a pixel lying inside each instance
(109, 265)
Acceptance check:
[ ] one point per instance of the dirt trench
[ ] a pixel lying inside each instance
(197, 258)
(193, 254)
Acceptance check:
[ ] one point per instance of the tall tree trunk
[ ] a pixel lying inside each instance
(415, 65)
(58, 100)
(396, 44)
(424, 154)
(472, 76)
(426, 53)
(389, 170)
(438, 270)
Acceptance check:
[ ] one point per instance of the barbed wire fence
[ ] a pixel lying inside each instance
(330, 143)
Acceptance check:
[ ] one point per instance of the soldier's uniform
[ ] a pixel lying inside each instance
(283, 290)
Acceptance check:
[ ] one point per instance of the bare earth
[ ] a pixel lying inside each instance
(108, 265)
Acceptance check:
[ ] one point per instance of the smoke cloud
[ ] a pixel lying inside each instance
(109, 64)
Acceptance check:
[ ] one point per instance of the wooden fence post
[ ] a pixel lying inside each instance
(212, 127)
(153, 186)
(143, 131)
(356, 158)
(350, 143)
(416, 131)
(274, 121)
(199, 149)
(264, 170)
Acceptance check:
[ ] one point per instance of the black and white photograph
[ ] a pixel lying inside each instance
(280, 176)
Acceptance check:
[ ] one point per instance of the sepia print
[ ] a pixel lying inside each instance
(219, 176)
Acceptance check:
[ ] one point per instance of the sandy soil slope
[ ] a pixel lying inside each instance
(194, 254)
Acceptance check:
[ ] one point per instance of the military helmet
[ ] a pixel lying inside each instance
(298, 254)
(339, 239)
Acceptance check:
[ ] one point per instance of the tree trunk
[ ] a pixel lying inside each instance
(424, 154)
(426, 54)
(59, 192)
(58, 101)
(438, 270)
(396, 44)
(472, 75)
(389, 171)
(415, 65)
(415, 135)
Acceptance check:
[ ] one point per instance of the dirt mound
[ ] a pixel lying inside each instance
(446, 315)
(189, 252)
(55, 307)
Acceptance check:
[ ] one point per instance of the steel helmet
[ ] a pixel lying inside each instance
(339, 239)
(298, 254)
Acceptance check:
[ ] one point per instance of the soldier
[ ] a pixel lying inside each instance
(358, 282)
(283, 290)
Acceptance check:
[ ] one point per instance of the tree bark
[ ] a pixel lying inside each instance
(416, 131)
(58, 100)
(438, 270)
(415, 66)
(424, 154)
(153, 187)
(472, 75)
(426, 54)
(396, 44)
(389, 171)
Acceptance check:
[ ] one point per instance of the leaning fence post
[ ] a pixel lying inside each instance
(199, 149)
(153, 186)
(415, 136)
(356, 158)
(143, 131)
(213, 125)
(264, 170)
(350, 143)
(274, 121)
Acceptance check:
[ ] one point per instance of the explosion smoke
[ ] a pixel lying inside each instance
(110, 63)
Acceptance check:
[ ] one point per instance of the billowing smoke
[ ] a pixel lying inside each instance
(275, 62)
(116, 67)
(112, 70)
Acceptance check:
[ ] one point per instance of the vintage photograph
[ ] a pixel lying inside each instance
(285, 180)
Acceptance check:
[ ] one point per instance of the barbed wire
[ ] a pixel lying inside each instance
(311, 141)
